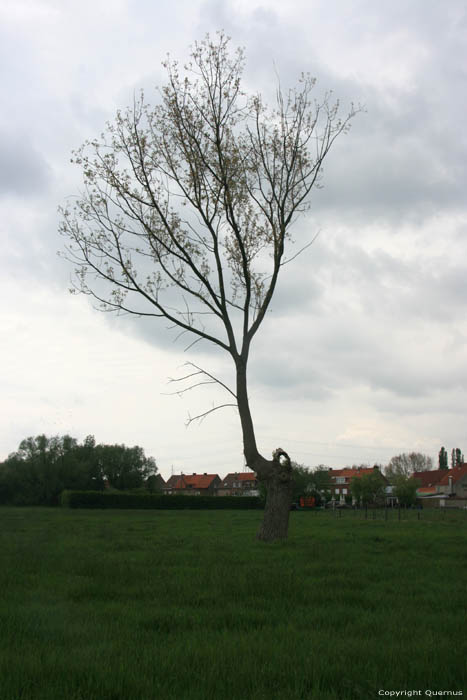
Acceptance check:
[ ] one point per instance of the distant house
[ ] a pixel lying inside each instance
(429, 479)
(455, 481)
(239, 484)
(193, 484)
(443, 484)
(155, 482)
(341, 478)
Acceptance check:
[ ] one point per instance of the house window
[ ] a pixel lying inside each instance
(344, 491)
(336, 491)
(340, 479)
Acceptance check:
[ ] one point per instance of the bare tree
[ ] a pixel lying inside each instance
(406, 464)
(186, 211)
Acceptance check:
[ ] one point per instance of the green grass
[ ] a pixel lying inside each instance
(139, 605)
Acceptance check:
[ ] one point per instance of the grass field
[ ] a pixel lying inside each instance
(138, 605)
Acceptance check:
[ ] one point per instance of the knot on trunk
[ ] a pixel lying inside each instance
(282, 465)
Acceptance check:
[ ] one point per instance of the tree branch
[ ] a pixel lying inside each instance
(202, 416)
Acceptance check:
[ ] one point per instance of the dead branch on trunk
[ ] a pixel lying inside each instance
(201, 416)
(199, 371)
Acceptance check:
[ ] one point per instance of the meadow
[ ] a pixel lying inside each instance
(139, 605)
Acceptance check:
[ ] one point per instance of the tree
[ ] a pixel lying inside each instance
(301, 480)
(356, 489)
(124, 467)
(368, 488)
(313, 482)
(37, 472)
(44, 466)
(456, 457)
(406, 464)
(321, 482)
(186, 216)
(405, 489)
(443, 458)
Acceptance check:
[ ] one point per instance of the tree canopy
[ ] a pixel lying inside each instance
(456, 457)
(443, 458)
(368, 488)
(406, 464)
(405, 489)
(313, 482)
(43, 467)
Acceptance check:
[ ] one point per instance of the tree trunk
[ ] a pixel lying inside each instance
(275, 474)
(278, 484)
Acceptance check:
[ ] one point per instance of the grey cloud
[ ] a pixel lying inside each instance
(289, 369)
(442, 403)
(330, 361)
(395, 169)
(422, 287)
(23, 170)
(388, 324)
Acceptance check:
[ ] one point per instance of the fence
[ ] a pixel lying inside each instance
(393, 514)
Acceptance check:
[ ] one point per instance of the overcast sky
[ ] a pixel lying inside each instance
(364, 354)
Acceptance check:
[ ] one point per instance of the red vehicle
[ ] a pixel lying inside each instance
(304, 503)
(307, 501)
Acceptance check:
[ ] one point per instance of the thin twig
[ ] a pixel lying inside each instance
(202, 416)
(301, 250)
(200, 370)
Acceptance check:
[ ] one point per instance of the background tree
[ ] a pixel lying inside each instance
(368, 488)
(44, 466)
(443, 458)
(186, 216)
(405, 489)
(321, 483)
(406, 464)
(356, 489)
(312, 482)
(38, 471)
(301, 480)
(124, 467)
(456, 457)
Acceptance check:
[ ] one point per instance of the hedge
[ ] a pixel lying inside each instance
(100, 499)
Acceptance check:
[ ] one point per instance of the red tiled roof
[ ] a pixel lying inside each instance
(430, 478)
(194, 481)
(456, 473)
(426, 489)
(350, 472)
(246, 476)
(241, 476)
(234, 477)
